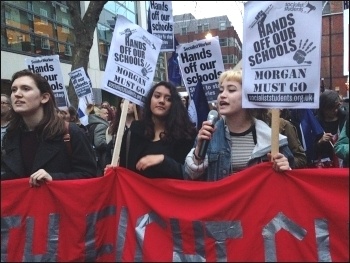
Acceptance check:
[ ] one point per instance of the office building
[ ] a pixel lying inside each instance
(37, 28)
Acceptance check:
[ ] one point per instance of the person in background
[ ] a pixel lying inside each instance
(110, 112)
(237, 140)
(61, 114)
(309, 129)
(160, 141)
(74, 117)
(5, 114)
(184, 100)
(98, 124)
(341, 147)
(114, 109)
(111, 133)
(105, 104)
(34, 145)
(332, 119)
(64, 111)
(287, 129)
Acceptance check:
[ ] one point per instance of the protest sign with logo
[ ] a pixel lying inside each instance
(83, 89)
(49, 67)
(162, 23)
(201, 61)
(131, 62)
(282, 54)
(81, 82)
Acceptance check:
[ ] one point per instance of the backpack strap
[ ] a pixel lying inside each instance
(66, 138)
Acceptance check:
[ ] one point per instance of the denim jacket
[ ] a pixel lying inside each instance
(217, 163)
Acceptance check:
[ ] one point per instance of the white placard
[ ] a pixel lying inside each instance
(81, 82)
(201, 60)
(131, 62)
(49, 67)
(162, 23)
(282, 54)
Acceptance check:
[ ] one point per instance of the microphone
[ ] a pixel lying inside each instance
(213, 117)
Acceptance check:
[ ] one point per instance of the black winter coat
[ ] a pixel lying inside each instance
(52, 156)
(172, 165)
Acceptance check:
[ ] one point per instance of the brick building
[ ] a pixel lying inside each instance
(188, 29)
(333, 47)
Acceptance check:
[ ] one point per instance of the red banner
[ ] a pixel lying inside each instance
(255, 215)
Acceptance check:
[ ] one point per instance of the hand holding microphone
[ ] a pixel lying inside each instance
(206, 132)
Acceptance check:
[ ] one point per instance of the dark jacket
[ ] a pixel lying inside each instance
(52, 156)
(99, 141)
(174, 158)
(288, 129)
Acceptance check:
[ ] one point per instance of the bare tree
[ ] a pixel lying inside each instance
(84, 34)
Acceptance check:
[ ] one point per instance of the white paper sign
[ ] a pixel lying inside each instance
(49, 67)
(162, 23)
(131, 62)
(81, 82)
(282, 54)
(201, 60)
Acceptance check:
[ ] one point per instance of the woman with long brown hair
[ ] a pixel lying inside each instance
(33, 145)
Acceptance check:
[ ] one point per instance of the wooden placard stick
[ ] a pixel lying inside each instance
(275, 126)
(120, 132)
(135, 112)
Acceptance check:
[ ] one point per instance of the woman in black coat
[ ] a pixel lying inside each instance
(160, 141)
(33, 145)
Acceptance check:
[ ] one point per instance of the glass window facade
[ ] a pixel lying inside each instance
(106, 24)
(37, 27)
(45, 28)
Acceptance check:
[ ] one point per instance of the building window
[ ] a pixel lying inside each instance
(222, 25)
(37, 28)
(200, 28)
(68, 50)
(43, 12)
(223, 42)
(45, 44)
(64, 28)
(231, 42)
(325, 8)
(206, 27)
(184, 31)
(230, 59)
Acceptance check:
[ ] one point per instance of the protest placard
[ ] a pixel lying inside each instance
(81, 82)
(49, 67)
(162, 23)
(281, 56)
(201, 60)
(131, 62)
(83, 89)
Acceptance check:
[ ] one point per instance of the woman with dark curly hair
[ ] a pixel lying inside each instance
(34, 145)
(160, 141)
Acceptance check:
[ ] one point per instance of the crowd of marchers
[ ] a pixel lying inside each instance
(42, 142)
